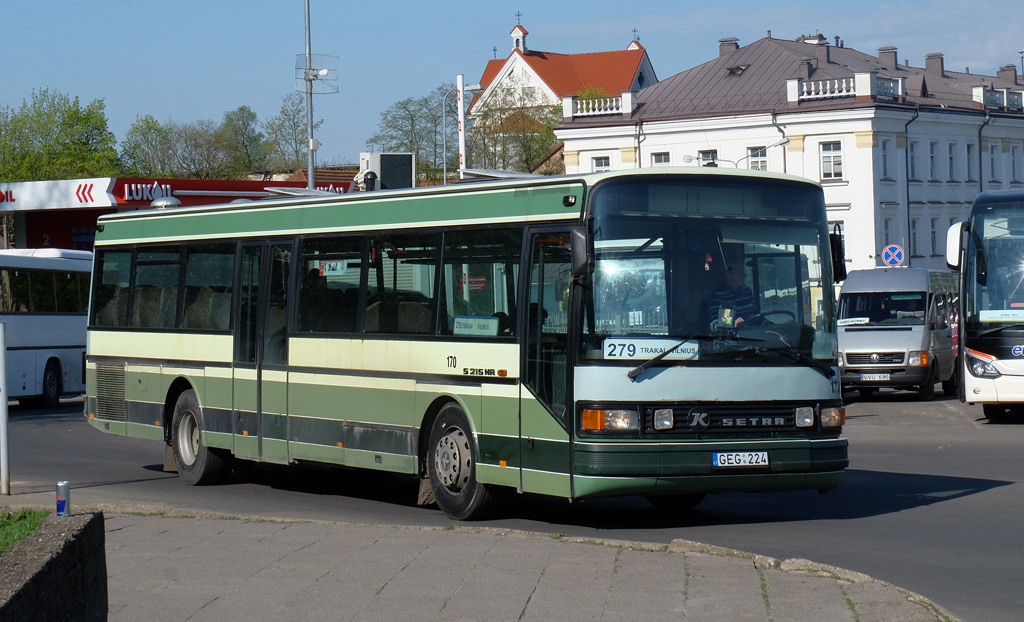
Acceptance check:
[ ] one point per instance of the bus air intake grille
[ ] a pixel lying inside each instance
(110, 392)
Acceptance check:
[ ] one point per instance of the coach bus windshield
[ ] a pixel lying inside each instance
(994, 267)
(719, 271)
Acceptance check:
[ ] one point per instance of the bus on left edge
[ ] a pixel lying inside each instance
(44, 296)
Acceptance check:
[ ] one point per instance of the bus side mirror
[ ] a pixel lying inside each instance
(835, 242)
(582, 254)
(954, 245)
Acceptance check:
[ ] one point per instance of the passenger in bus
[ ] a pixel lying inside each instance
(732, 302)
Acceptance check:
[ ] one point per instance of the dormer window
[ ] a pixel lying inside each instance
(737, 70)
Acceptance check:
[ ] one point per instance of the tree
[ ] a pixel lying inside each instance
(512, 130)
(287, 134)
(201, 150)
(248, 149)
(147, 150)
(425, 126)
(54, 137)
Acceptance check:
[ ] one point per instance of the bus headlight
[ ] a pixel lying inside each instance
(804, 417)
(980, 364)
(918, 359)
(664, 419)
(833, 417)
(618, 420)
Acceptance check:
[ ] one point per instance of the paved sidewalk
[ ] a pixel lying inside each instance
(163, 568)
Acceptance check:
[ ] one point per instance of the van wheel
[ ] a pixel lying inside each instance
(926, 391)
(451, 466)
(952, 386)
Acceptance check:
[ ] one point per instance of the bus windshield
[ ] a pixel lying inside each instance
(994, 267)
(710, 269)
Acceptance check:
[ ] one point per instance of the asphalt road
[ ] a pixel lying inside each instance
(931, 501)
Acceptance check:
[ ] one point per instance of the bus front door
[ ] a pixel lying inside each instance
(260, 380)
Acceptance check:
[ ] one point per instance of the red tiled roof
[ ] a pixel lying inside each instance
(568, 74)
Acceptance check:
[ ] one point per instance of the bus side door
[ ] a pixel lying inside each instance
(545, 416)
(260, 381)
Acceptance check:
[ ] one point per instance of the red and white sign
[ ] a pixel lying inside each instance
(60, 194)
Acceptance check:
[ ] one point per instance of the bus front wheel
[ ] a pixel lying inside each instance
(196, 463)
(451, 466)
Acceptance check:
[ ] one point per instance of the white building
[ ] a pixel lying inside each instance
(901, 151)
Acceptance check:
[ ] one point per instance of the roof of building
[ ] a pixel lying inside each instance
(569, 74)
(327, 175)
(753, 78)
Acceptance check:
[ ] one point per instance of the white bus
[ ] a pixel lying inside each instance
(44, 295)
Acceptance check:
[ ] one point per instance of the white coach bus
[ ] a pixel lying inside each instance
(44, 296)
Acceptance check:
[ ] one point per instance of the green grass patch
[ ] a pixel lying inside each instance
(14, 527)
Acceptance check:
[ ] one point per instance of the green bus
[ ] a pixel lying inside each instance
(555, 335)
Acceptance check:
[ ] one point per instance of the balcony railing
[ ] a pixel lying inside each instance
(594, 106)
(859, 85)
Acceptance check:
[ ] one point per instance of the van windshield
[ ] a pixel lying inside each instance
(882, 308)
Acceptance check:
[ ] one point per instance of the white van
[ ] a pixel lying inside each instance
(895, 330)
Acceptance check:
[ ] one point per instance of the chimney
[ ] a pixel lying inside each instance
(887, 58)
(933, 64)
(727, 46)
(824, 57)
(804, 68)
(1008, 73)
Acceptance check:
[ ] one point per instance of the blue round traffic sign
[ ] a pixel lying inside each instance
(892, 255)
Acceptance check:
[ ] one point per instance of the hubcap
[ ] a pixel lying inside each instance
(448, 459)
(188, 438)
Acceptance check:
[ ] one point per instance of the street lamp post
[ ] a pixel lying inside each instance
(444, 135)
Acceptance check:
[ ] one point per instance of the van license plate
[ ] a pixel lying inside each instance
(876, 377)
(739, 459)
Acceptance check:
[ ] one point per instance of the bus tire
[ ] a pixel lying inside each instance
(451, 467)
(994, 412)
(676, 503)
(51, 385)
(197, 464)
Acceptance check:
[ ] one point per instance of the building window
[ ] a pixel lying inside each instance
(885, 159)
(912, 157)
(660, 159)
(993, 161)
(832, 160)
(603, 163)
(913, 239)
(935, 236)
(952, 162)
(709, 157)
(970, 162)
(932, 164)
(887, 232)
(1015, 164)
(757, 158)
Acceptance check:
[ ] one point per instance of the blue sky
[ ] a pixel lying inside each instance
(188, 60)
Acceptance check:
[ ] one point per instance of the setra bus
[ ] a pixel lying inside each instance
(990, 258)
(44, 296)
(553, 335)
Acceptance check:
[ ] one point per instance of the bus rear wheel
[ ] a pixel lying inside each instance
(196, 463)
(451, 467)
(51, 385)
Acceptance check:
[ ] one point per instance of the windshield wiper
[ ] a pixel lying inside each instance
(989, 331)
(642, 367)
(823, 368)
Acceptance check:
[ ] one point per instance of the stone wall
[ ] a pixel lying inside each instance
(58, 573)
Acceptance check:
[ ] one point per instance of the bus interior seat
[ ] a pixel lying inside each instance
(413, 317)
(197, 314)
(220, 307)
